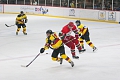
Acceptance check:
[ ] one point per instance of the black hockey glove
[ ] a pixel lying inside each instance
(61, 36)
(42, 50)
(26, 20)
(80, 35)
(49, 41)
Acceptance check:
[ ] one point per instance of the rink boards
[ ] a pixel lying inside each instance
(72, 13)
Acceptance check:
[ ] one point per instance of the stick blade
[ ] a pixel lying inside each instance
(6, 25)
(24, 65)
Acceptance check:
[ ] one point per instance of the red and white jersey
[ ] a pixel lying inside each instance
(67, 31)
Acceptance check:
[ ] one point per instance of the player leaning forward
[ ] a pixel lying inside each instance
(56, 44)
(21, 19)
(69, 40)
(84, 35)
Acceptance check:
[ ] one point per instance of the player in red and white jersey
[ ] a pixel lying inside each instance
(70, 40)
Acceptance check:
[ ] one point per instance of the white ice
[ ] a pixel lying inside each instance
(20, 50)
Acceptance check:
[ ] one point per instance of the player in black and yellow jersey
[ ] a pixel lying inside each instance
(84, 35)
(21, 19)
(53, 41)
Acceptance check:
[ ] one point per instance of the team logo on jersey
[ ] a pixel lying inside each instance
(72, 12)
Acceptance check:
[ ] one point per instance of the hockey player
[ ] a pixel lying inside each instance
(84, 35)
(21, 19)
(53, 41)
(70, 40)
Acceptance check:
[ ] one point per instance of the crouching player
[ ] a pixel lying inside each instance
(84, 35)
(53, 41)
(21, 19)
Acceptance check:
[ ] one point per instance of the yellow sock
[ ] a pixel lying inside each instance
(90, 44)
(64, 56)
(24, 30)
(18, 29)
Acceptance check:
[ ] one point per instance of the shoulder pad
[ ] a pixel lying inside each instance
(81, 26)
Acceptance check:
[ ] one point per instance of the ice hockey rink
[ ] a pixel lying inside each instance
(21, 49)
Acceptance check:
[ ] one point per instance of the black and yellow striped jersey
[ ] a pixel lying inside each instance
(20, 19)
(53, 41)
(82, 29)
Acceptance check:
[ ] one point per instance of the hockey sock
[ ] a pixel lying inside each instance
(18, 29)
(73, 52)
(90, 44)
(64, 56)
(24, 30)
(81, 42)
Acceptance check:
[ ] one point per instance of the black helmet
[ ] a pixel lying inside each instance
(49, 31)
(21, 12)
(78, 21)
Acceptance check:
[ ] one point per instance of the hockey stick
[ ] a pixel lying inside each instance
(31, 61)
(10, 25)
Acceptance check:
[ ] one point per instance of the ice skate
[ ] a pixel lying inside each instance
(94, 49)
(16, 33)
(82, 50)
(24, 33)
(75, 57)
(72, 63)
(61, 60)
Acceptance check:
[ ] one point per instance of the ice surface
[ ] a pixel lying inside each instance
(20, 50)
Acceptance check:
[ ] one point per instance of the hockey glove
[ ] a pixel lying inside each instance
(26, 20)
(62, 36)
(49, 41)
(80, 35)
(42, 50)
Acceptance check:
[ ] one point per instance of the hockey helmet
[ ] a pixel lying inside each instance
(49, 31)
(21, 12)
(70, 24)
(78, 22)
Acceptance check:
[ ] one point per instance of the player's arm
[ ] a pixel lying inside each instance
(19, 19)
(62, 35)
(25, 17)
(84, 30)
(76, 32)
(47, 45)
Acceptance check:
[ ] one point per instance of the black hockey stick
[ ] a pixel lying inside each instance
(31, 61)
(10, 25)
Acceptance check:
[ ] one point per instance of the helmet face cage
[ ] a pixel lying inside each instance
(78, 22)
